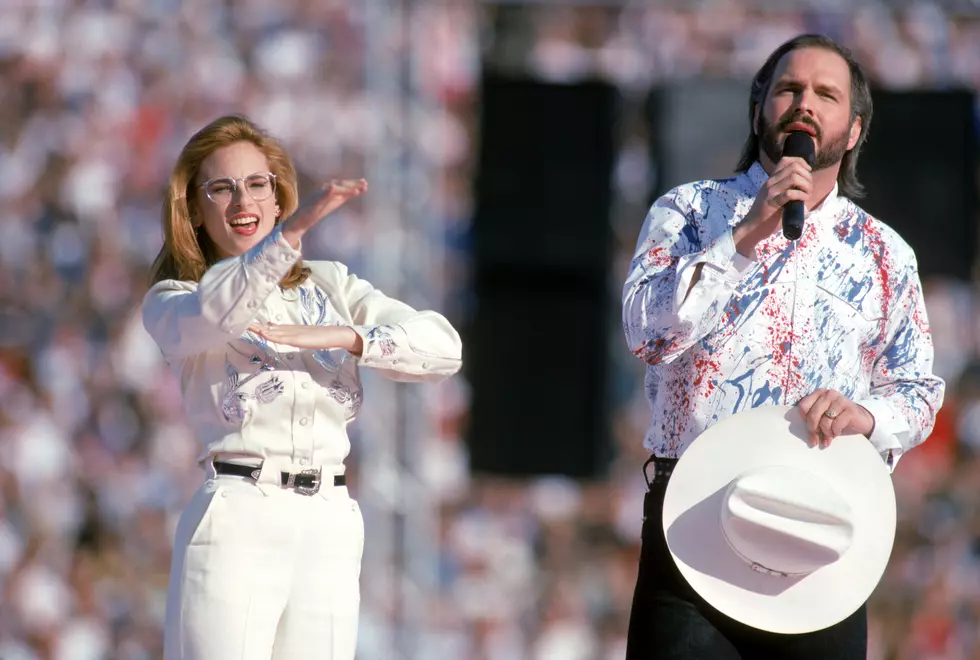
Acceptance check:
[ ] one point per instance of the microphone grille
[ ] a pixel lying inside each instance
(799, 145)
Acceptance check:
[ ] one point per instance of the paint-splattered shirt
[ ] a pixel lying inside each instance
(841, 308)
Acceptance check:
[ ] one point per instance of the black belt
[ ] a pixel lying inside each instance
(662, 469)
(306, 482)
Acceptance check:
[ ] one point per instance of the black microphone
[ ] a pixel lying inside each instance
(797, 145)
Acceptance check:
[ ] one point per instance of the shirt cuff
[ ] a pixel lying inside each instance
(382, 345)
(272, 258)
(279, 241)
(889, 430)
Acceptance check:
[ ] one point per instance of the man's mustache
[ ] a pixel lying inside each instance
(800, 119)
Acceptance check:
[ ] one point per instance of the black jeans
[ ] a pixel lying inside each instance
(669, 621)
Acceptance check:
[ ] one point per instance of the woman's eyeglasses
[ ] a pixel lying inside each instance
(260, 187)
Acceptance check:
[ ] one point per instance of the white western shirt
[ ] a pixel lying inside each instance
(841, 308)
(246, 395)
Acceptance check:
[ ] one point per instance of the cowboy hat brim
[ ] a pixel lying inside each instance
(773, 436)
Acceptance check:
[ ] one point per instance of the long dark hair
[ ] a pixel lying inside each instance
(847, 181)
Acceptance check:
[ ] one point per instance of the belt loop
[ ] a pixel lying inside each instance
(663, 468)
(268, 477)
(646, 463)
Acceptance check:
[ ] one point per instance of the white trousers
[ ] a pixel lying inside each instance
(261, 572)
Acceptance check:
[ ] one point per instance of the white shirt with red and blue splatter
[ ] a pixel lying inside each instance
(841, 308)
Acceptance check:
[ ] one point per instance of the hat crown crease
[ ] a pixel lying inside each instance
(786, 521)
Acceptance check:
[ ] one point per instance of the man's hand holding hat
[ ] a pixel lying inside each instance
(829, 414)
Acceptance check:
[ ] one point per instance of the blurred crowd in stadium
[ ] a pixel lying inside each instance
(95, 463)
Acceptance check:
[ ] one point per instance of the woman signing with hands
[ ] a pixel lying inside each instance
(267, 349)
(311, 336)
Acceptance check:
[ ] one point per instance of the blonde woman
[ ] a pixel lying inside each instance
(267, 349)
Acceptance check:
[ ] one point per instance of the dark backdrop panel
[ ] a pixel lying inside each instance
(696, 131)
(543, 181)
(535, 346)
(919, 168)
(536, 362)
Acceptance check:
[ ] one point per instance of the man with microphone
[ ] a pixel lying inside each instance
(774, 288)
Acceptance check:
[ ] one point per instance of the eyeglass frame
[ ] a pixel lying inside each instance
(234, 185)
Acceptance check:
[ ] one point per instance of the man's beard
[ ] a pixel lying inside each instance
(830, 152)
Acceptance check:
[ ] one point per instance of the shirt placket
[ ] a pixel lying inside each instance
(804, 298)
(303, 409)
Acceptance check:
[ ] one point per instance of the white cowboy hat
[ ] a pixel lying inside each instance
(776, 534)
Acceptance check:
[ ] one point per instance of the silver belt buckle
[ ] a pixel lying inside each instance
(305, 490)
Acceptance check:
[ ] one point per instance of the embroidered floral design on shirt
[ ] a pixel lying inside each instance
(384, 340)
(315, 309)
(345, 388)
(346, 396)
(233, 404)
(314, 304)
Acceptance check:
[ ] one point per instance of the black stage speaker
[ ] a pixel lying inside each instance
(535, 346)
(919, 169)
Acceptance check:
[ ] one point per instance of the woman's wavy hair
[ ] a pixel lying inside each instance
(847, 181)
(188, 251)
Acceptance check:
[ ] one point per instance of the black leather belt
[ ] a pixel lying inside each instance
(662, 469)
(306, 482)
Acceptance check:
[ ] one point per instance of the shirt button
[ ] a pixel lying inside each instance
(303, 422)
(425, 365)
(251, 304)
(395, 361)
(304, 461)
(290, 356)
(278, 317)
(305, 385)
